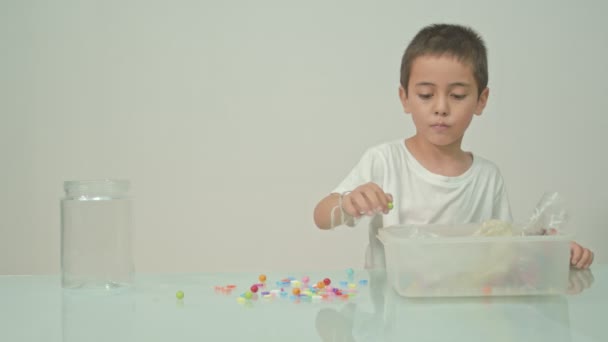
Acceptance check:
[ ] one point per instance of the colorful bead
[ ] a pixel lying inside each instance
(262, 277)
(326, 281)
(180, 295)
(248, 294)
(390, 206)
(254, 288)
(296, 291)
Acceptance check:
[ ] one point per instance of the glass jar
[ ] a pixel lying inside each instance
(96, 235)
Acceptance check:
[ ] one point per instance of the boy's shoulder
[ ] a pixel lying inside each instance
(486, 166)
(387, 148)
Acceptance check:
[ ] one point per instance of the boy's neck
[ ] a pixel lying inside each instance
(448, 160)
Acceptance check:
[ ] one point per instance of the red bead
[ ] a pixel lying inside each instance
(326, 281)
(254, 288)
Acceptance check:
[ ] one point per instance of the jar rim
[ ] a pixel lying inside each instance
(96, 187)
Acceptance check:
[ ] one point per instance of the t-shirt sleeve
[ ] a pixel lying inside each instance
(370, 168)
(502, 207)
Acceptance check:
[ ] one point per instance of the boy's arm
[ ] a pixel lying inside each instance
(323, 213)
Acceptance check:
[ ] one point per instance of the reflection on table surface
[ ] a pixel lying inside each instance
(39, 310)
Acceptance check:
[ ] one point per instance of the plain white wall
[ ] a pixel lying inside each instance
(233, 118)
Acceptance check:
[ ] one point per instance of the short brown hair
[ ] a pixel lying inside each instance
(446, 39)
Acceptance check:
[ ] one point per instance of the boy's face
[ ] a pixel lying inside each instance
(442, 98)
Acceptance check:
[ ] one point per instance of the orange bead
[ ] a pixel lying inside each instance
(487, 290)
(320, 284)
(262, 277)
(296, 291)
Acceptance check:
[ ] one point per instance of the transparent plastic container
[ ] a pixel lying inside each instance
(96, 235)
(461, 265)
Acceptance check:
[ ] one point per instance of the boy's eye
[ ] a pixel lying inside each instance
(425, 96)
(458, 96)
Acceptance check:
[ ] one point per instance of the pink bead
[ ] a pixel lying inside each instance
(306, 279)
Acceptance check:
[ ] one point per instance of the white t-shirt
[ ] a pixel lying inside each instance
(423, 197)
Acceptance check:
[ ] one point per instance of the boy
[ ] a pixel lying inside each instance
(428, 177)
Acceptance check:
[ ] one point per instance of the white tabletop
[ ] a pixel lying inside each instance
(35, 308)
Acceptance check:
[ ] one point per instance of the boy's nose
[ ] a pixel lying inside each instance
(441, 106)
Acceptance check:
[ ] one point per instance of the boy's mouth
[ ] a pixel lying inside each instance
(440, 126)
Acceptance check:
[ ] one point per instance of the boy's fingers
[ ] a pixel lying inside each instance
(349, 206)
(590, 260)
(373, 201)
(584, 258)
(575, 253)
(360, 203)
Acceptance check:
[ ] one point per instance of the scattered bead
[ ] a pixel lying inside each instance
(248, 294)
(262, 277)
(296, 291)
(180, 295)
(306, 279)
(254, 288)
(326, 281)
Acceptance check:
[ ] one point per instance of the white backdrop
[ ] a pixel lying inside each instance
(233, 118)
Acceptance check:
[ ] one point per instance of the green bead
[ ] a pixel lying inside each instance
(248, 295)
(390, 206)
(179, 295)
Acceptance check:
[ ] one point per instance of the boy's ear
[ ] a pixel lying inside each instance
(405, 102)
(482, 101)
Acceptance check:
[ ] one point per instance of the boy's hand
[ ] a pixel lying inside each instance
(580, 257)
(367, 199)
